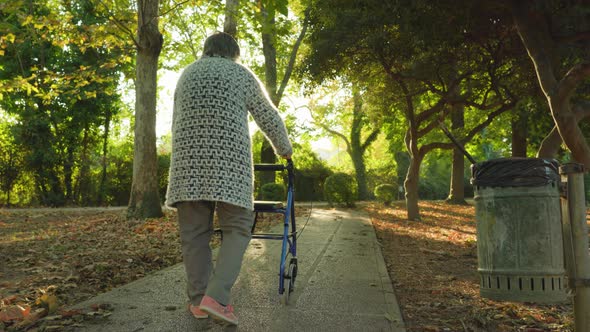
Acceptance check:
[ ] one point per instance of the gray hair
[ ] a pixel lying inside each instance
(221, 44)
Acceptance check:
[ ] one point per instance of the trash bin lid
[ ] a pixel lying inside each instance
(515, 172)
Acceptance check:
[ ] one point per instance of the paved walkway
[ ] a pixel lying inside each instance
(342, 285)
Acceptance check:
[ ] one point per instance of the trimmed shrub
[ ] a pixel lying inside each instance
(386, 193)
(273, 192)
(340, 188)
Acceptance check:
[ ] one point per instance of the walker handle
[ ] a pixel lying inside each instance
(270, 167)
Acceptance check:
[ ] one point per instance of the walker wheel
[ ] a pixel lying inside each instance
(289, 282)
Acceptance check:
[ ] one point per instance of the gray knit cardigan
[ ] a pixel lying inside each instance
(211, 146)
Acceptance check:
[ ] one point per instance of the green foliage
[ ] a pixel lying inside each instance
(120, 170)
(341, 188)
(273, 192)
(185, 28)
(386, 193)
(435, 176)
(11, 163)
(61, 63)
(310, 173)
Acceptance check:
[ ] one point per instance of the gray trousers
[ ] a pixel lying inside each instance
(196, 228)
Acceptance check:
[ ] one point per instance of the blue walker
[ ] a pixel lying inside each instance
(287, 273)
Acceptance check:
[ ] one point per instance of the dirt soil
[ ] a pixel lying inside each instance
(53, 258)
(433, 266)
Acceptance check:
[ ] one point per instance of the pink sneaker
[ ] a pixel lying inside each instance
(225, 313)
(197, 312)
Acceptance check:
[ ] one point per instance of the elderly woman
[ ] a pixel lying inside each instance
(211, 168)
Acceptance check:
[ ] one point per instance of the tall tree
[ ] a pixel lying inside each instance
(422, 67)
(55, 72)
(356, 133)
(457, 189)
(555, 35)
(11, 163)
(270, 37)
(145, 199)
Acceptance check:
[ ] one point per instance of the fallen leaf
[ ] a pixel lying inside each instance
(49, 302)
(9, 300)
(70, 313)
(29, 320)
(70, 286)
(14, 313)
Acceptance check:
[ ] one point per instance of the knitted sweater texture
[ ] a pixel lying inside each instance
(211, 146)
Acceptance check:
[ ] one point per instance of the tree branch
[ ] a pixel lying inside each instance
(487, 121)
(176, 5)
(424, 149)
(552, 142)
(482, 106)
(573, 38)
(447, 146)
(570, 81)
(432, 110)
(370, 139)
(434, 123)
(331, 131)
(534, 36)
(111, 17)
(293, 56)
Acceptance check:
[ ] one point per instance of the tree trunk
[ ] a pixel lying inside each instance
(356, 147)
(550, 145)
(10, 175)
(402, 162)
(68, 173)
(84, 184)
(145, 199)
(552, 142)
(411, 187)
(411, 140)
(267, 154)
(230, 25)
(519, 133)
(457, 189)
(105, 149)
(360, 173)
(270, 53)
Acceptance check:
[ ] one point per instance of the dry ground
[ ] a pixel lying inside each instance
(50, 259)
(53, 258)
(433, 265)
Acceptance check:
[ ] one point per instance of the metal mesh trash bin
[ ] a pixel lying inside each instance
(519, 236)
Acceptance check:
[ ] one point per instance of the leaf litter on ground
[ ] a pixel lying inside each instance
(52, 259)
(433, 267)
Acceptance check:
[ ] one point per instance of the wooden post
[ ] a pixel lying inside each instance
(575, 234)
